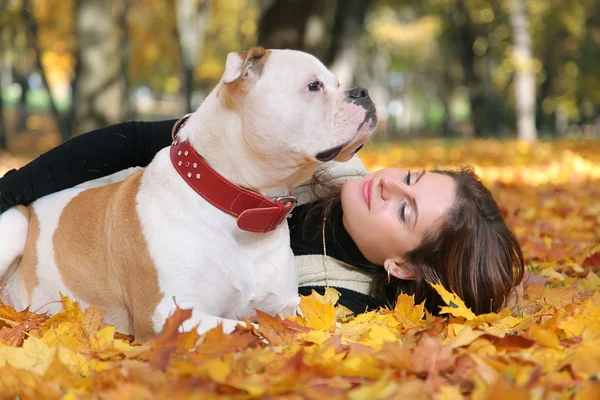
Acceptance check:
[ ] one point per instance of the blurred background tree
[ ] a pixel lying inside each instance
(455, 68)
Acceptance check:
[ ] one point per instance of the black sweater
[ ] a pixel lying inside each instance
(134, 144)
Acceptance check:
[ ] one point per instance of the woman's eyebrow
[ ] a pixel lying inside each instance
(414, 205)
(414, 202)
(420, 175)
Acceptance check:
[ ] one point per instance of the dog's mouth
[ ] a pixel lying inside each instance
(358, 149)
(330, 154)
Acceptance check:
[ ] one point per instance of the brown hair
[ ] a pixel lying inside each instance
(472, 252)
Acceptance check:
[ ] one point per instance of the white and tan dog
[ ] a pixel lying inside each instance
(134, 246)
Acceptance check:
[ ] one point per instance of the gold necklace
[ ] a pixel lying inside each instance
(325, 255)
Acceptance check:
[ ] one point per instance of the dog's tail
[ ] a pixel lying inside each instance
(14, 224)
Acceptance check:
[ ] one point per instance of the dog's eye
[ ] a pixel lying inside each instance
(315, 86)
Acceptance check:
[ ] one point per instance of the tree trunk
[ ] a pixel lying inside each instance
(192, 20)
(524, 75)
(99, 89)
(3, 132)
(547, 57)
(69, 120)
(472, 77)
(343, 51)
(20, 78)
(284, 24)
(128, 106)
(446, 87)
(33, 39)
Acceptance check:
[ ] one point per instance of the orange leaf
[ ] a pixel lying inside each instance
(273, 329)
(431, 357)
(592, 261)
(215, 343)
(544, 336)
(92, 318)
(170, 339)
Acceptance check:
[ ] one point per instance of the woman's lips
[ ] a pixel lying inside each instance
(367, 189)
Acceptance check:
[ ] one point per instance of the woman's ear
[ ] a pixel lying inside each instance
(399, 268)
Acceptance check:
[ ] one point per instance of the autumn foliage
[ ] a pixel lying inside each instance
(544, 345)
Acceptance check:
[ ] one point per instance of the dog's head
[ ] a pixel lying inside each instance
(291, 113)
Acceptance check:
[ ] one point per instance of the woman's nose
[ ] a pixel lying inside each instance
(392, 187)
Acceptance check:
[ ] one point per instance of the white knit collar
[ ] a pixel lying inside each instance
(311, 273)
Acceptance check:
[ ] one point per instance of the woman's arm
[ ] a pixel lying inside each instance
(85, 157)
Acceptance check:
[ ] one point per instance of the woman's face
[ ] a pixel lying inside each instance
(388, 212)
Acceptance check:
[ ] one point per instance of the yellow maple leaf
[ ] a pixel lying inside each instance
(71, 312)
(584, 321)
(65, 333)
(34, 356)
(408, 314)
(217, 370)
(379, 334)
(103, 339)
(456, 306)
(316, 336)
(318, 312)
(464, 337)
(383, 388)
(449, 392)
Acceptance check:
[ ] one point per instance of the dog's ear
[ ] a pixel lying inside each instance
(244, 66)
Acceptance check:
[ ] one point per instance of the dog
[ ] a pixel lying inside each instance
(203, 225)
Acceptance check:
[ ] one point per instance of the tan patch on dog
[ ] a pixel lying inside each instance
(103, 257)
(23, 210)
(255, 58)
(29, 260)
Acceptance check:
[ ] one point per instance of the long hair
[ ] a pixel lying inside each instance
(472, 252)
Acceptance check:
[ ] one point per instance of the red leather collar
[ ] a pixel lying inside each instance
(254, 212)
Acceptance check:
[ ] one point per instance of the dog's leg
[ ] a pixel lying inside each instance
(14, 224)
(208, 322)
(291, 309)
(204, 321)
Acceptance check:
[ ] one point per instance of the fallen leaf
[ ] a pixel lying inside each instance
(92, 318)
(273, 329)
(170, 339)
(456, 306)
(318, 312)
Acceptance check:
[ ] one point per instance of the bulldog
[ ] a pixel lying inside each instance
(203, 225)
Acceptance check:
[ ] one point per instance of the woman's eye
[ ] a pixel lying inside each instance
(407, 179)
(403, 212)
(314, 86)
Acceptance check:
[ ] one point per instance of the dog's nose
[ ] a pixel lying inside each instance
(358, 93)
(360, 97)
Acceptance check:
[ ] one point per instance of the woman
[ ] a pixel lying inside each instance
(371, 236)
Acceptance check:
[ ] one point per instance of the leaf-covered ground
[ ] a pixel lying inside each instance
(544, 346)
